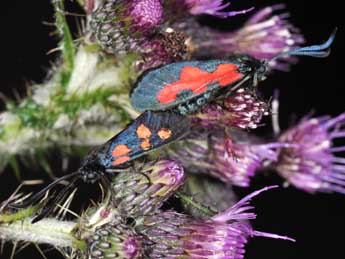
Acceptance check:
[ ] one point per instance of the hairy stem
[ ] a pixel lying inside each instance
(47, 231)
(188, 200)
(9, 218)
(66, 45)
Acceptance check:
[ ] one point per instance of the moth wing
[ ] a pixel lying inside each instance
(148, 132)
(144, 94)
(195, 76)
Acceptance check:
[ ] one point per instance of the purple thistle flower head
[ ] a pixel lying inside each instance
(177, 236)
(166, 47)
(264, 36)
(227, 158)
(212, 7)
(310, 162)
(146, 13)
(237, 163)
(241, 109)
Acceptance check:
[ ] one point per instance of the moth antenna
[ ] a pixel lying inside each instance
(318, 51)
(49, 208)
(35, 198)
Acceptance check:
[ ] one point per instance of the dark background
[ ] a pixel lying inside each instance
(316, 221)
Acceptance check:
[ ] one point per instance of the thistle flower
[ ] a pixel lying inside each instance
(211, 7)
(225, 158)
(173, 235)
(137, 194)
(114, 240)
(238, 162)
(263, 36)
(166, 47)
(242, 110)
(119, 26)
(310, 162)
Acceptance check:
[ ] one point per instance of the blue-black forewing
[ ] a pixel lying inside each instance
(144, 95)
(149, 131)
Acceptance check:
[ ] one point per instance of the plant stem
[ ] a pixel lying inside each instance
(9, 218)
(46, 231)
(187, 199)
(66, 44)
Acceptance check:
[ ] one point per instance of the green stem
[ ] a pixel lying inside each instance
(66, 44)
(46, 231)
(8, 218)
(188, 200)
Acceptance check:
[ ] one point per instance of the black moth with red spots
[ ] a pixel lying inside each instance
(149, 131)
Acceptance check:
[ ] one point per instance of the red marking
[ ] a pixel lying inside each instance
(143, 131)
(197, 80)
(121, 150)
(145, 144)
(164, 133)
(104, 213)
(90, 5)
(121, 160)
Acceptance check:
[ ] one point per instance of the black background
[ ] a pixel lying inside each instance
(316, 221)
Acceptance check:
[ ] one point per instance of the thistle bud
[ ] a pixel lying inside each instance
(114, 241)
(119, 26)
(142, 193)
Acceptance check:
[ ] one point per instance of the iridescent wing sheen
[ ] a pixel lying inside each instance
(166, 87)
(149, 131)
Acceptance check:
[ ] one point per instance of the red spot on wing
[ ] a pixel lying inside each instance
(121, 150)
(143, 131)
(164, 133)
(197, 80)
(121, 160)
(145, 144)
